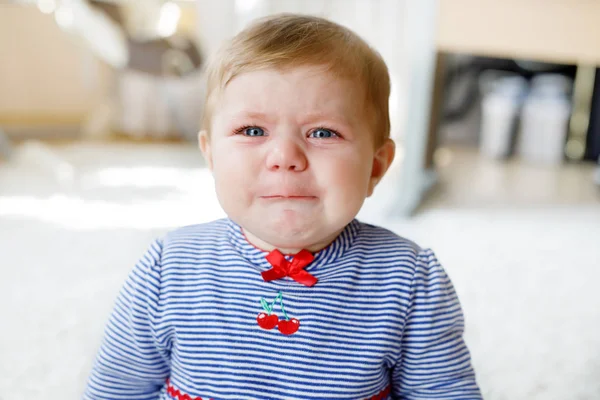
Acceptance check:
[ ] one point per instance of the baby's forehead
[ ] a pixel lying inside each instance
(326, 76)
(313, 90)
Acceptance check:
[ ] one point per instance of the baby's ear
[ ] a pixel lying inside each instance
(381, 162)
(204, 144)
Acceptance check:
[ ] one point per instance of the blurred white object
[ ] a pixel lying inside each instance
(493, 80)
(46, 6)
(557, 84)
(147, 20)
(97, 31)
(499, 113)
(544, 127)
(500, 107)
(170, 13)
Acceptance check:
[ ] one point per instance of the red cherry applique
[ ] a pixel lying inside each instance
(288, 327)
(266, 321)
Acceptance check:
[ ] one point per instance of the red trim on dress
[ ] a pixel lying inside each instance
(177, 394)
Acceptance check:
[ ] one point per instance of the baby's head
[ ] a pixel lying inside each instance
(296, 129)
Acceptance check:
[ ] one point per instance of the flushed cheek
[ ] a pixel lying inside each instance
(234, 166)
(232, 183)
(348, 178)
(233, 186)
(349, 190)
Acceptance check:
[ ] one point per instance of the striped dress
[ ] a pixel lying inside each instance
(196, 320)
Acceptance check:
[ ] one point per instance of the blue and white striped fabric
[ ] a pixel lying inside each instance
(382, 322)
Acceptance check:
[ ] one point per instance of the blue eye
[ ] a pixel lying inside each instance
(322, 133)
(253, 131)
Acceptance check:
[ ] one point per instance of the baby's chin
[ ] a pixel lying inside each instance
(312, 235)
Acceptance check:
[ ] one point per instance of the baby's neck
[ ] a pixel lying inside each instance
(291, 250)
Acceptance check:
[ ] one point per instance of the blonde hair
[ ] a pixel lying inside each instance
(290, 40)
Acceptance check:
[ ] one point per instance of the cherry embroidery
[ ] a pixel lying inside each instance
(267, 320)
(288, 327)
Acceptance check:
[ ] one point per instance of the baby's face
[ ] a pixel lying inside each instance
(292, 156)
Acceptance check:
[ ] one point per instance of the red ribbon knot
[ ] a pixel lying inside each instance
(293, 268)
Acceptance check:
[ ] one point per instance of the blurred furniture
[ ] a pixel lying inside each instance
(160, 89)
(54, 86)
(561, 31)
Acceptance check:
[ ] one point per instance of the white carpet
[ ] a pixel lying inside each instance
(74, 219)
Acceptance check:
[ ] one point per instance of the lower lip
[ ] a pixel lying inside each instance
(288, 197)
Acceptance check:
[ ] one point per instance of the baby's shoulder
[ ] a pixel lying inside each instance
(197, 239)
(384, 246)
(376, 237)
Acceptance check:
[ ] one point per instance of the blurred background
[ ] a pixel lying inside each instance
(495, 109)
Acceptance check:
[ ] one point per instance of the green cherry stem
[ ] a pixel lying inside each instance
(282, 307)
(265, 306)
(278, 298)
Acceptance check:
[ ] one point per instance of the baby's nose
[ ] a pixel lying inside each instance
(287, 155)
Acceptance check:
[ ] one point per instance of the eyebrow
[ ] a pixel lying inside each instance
(305, 119)
(243, 114)
(310, 118)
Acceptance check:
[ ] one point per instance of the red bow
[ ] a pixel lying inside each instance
(294, 268)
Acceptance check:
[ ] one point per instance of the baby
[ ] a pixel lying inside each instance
(290, 297)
